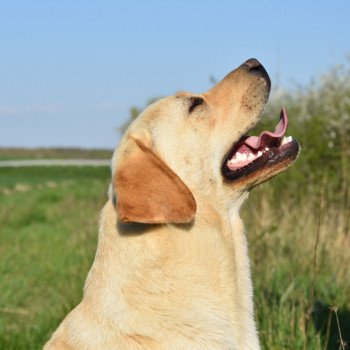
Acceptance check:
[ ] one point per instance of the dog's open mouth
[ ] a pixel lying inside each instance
(253, 153)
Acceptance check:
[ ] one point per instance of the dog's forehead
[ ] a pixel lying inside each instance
(162, 108)
(182, 94)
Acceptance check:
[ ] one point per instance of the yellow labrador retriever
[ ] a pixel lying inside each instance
(171, 269)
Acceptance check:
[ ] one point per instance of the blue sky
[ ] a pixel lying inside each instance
(70, 70)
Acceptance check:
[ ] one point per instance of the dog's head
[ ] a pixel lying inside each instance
(190, 148)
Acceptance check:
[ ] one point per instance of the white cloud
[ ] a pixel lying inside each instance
(41, 108)
(8, 110)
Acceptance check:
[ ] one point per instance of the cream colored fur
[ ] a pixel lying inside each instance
(177, 286)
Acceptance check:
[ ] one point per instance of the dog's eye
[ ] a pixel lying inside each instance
(195, 101)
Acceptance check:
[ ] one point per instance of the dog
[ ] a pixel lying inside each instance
(171, 269)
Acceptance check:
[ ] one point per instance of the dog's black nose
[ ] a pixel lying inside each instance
(254, 68)
(253, 64)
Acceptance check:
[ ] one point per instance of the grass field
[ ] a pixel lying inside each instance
(48, 236)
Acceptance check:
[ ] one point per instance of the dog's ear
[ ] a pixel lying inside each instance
(148, 191)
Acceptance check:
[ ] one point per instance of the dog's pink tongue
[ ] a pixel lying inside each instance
(267, 138)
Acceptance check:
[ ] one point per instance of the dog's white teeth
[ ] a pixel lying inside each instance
(286, 140)
(242, 157)
(249, 157)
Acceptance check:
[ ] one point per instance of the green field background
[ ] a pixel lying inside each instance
(49, 218)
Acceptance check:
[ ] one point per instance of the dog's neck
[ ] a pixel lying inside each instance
(175, 262)
(232, 229)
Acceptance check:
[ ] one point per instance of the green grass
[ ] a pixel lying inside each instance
(299, 246)
(48, 235)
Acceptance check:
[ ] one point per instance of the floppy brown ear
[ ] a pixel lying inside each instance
(148, 191)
